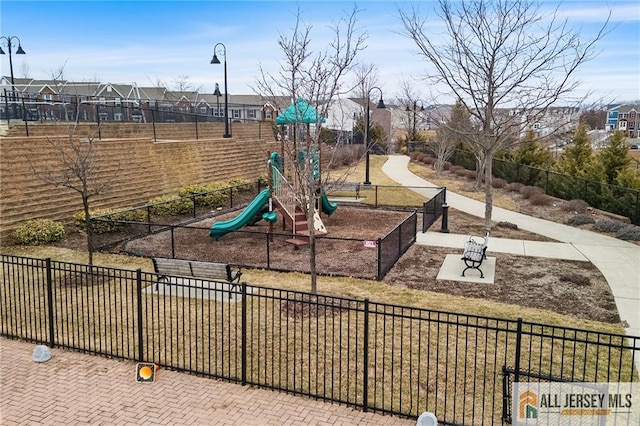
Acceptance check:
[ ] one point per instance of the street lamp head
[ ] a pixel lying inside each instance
(20, 51)
(381, 104)
(217, 91)
(215, 59)
(1, 51)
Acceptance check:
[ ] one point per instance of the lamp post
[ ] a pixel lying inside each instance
(415, 109)
(215, 60)
(217, 94)
(368, 138)
(20, 51)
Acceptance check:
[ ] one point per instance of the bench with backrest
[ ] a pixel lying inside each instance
(190, 268)
(474, 253)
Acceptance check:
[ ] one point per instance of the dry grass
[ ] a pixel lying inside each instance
(214, 325)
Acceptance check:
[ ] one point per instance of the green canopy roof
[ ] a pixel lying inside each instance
(300, 112)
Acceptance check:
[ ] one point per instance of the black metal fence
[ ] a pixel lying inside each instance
(148, 117)
(610, 198)
(432, 209)
(375, 356)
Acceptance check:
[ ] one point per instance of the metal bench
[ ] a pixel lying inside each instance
(474, 253)
(190, 268)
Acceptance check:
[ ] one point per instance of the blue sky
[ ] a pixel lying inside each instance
(157, 41)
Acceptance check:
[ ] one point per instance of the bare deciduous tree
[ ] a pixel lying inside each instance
(506, 60)
(73, 165)
(319, 78)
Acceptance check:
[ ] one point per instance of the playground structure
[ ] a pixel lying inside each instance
(288, 195)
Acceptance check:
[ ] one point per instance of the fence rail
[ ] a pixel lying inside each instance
(610, 198)
(376, 356)
(29, 110)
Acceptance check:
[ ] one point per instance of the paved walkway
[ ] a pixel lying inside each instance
(74, 388)
(617, 260)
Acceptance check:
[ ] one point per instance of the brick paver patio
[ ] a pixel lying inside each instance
(74, 388)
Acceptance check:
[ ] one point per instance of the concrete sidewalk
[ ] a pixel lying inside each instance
(74, 388)
(617, 260)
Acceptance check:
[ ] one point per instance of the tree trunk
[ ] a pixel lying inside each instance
(488, 175)
(89, 228)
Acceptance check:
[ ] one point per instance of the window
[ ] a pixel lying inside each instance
(203, 110)
(268, 114)
(103, 101)
(236, 113)
(103, 116)
(623, 125)
(117, 101)
(536, 126)
(117, 116)
(47, 96)
(252, 113)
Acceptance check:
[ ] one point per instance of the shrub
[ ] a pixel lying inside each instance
(240, 186)
(498, 183)
(629, 233)
(170, 206)
(446, 166)
(608, 225)
(578, 206)
(38, 231)
(528, 191)
(428, 160)
(470, 174)
(514, 187)
(111, 217)
(454, 168)
(204, 196)
(540, 200)
(580, 219)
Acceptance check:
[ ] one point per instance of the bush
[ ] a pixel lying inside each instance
(498, 183)
(204, 196)
(470, 174)
(514, 187)
(528, 191)
(446, 166)
(170, 206)
(454, 168)
(629, 233)
(580, 219)
(110, 220)
(540, 200)
(608, 225)
(578, 206)
(38, 231)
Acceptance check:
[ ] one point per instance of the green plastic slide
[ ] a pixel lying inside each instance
(327, 206)
(219, 229)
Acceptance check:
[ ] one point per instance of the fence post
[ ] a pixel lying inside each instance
(518, 349)
(196, 116)
(546, 183)
(444, 228)
(153, 124)
(365, 357)
(637, 213)
(244, 334)
(24, 117)
(139, 302)
(149, 219)
(231, 197)
(268, 236)
(376, 198)
(173, 244)
(193, 201)
(379, 255)
(50, 304)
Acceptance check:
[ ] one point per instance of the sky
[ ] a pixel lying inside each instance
(151, 42)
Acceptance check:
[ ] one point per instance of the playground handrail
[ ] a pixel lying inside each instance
(283, 192)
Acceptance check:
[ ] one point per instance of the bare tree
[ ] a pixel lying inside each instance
(318, 78)
(182, 83)
(451, 134)
(73, 165)
(507, 61)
